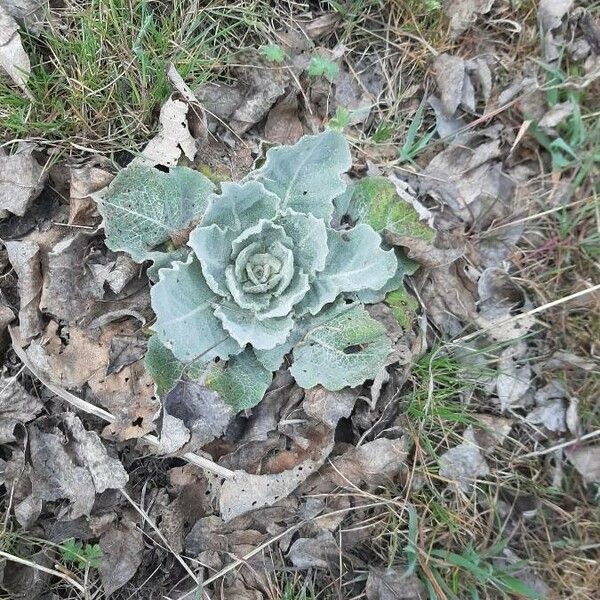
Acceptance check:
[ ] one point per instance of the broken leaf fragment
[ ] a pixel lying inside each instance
(122, 551)
(25, 259)
(172, 140)
(463, 465)
(16, 406)
(70, 463)
(393, 583)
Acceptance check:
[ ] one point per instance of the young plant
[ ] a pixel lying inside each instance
(265, 273)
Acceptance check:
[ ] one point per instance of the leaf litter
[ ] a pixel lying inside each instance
(278, 468)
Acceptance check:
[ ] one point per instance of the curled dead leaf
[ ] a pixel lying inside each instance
(25, 258)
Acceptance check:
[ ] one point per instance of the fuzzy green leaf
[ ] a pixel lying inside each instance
(307, 176)
(355, 262)
(403, 305)
(162, 366)
(273, 53)
(374, 200)
(143, 206)
(242, 383)
(344, 350)
(322, 67)
(185, 320)
(406, 266)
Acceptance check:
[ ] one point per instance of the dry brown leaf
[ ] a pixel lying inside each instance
(447, 299)
(445, 126)
(373, 463)
(21, 180)
(85, 180)
(188, 488)
(262, 84)
(490, 432)
(16, 406)
(320, 552)
(463, 464)
(71, 463)
(29, 12)
(499, 297)
(283, 125)
(245, 492)
(259, 85)
(124, 351)
(25, 258)
(122, 552)
(462, 13)
(219, 99)
(13, 58)
(350, 94)
(586, 459)
(124, 270)
(173, 138)
(74, 278)
(201, 410)
(451, 79)
(69, 365)
(130, 396)
(393, 584)
(25, 582)
(514, 376)
(329, 407)
(550, 407)
(173, 434)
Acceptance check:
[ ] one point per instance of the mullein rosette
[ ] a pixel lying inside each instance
(268, 274)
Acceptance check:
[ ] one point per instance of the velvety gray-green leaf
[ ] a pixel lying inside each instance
(309, 236)
(307, 175)
(163, 260)
(342, 351)
(355, 262)
(246, 328)
(406, 266)
(272, 359)
(240, 206)
(185, 320)
(228, 215)
(143, 206)
(375, 201)
(242, 383)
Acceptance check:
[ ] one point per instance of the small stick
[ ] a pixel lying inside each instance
(583, 438)
(33, 565)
